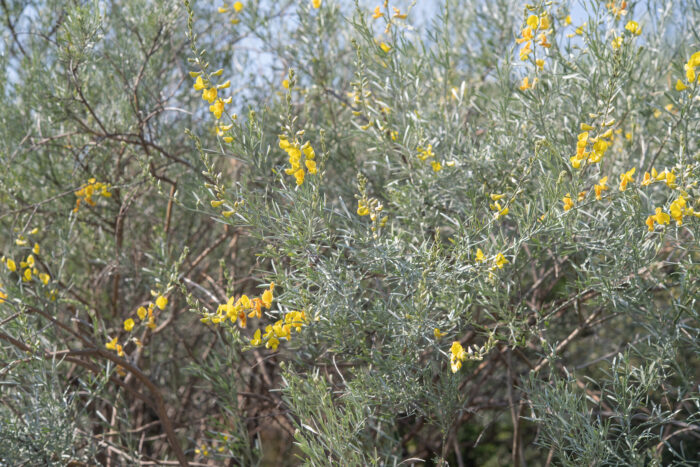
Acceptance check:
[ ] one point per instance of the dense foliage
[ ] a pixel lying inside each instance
(319, 232)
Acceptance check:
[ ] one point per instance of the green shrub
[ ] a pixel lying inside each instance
(315, 232)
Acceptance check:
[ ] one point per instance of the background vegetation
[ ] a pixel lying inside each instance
(486, 254)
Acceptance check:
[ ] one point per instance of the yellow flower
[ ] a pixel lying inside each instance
(209, 95)
(677, 209)
(600, 187)
(540, 63)
(141, 312)
(633, 27)
(397, 14)
(3, 295)
(680, 86)
(362, 209)
(526, 51)
(438, 334)
(626, 178)
(567, 20)
(238, 6)
(500, 211)
(544, 22)
(267, 298)
(256, 340)
(299, 175)
(501, 261)
(568, 203)
(436, 166)
(272, 343)
(161, 302)
(526, 84)
(11, 265)
(660, 218)
(617, 42)
(526, 34)
(112, 345)
(671, 179)
(199, 84)
(27, 276)
(308, 150)
(316, 3)
(217, 108)
(129, 325)
(385, 47)
(256, 309)
(36, 249)
(480, 258)
(533, 21)
(310, 166)
(457, 356)
(377, 13)
(44, 278)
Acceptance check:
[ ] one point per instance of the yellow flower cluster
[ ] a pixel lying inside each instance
(627, 177)
(397, 15)
(569, 203)
(203, 449)
(295, 150)
(618, 9)
(369, 206)
(223, 131)
(211, 93)
(633, 28)
(598, 144)
(690, 74)
(600, 187)
(459, 355)
(526, 84)
(145, 315)
(242, 309)
(281, 329)
(677, 210)
(501, 211)
(498, 261)
(427, 153)
(535, 24)
(236, 8)
(28, 268)
(665, 176)
(92, 188)
(226, 210)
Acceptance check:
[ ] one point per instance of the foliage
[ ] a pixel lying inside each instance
(320, 233)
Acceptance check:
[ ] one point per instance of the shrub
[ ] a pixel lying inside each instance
(323, 233)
